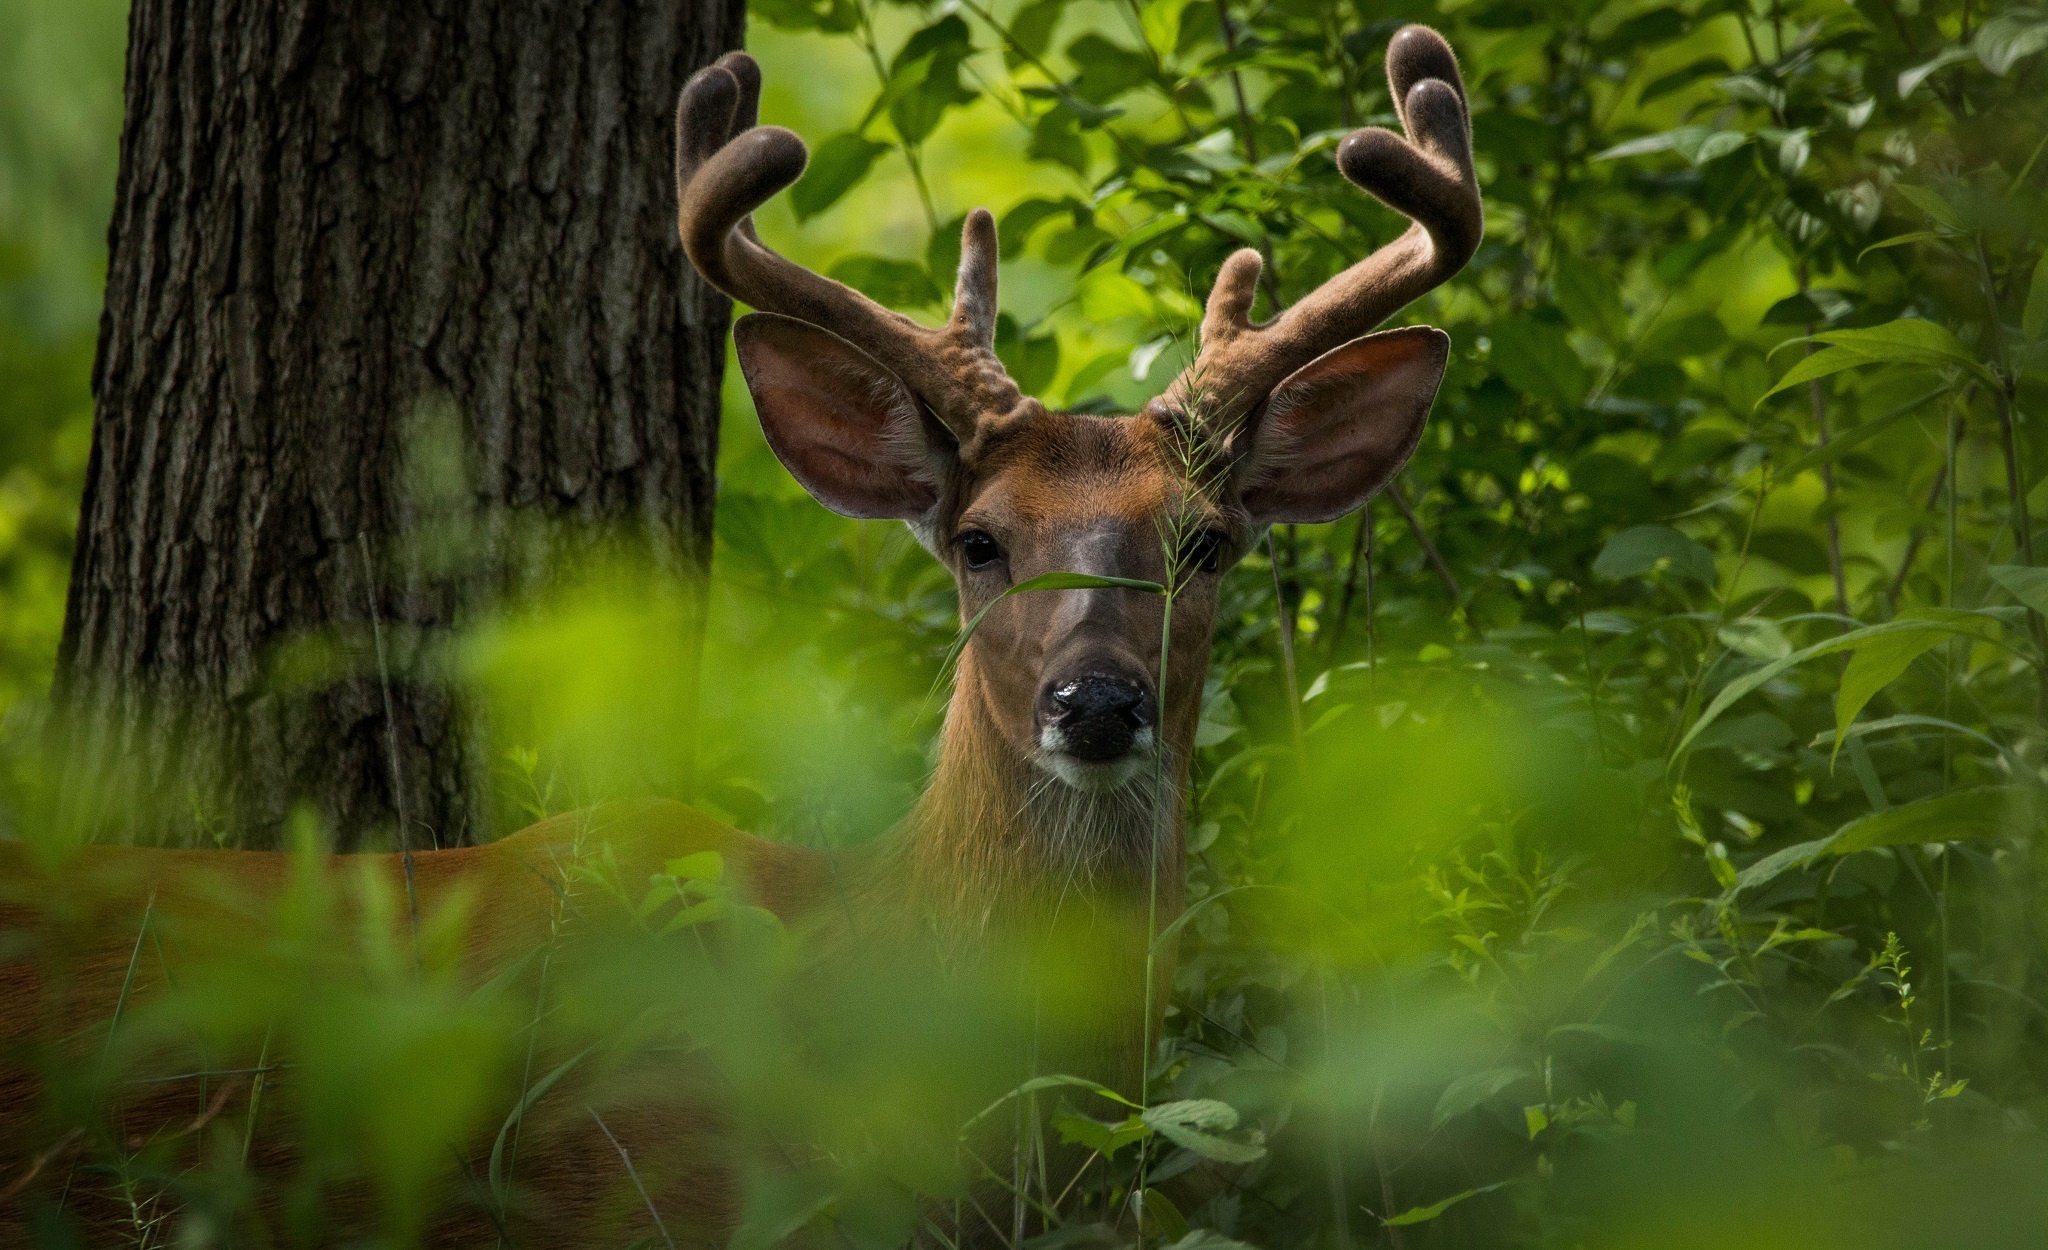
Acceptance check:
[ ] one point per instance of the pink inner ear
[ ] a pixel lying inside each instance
(846, 428)
(1339, 428)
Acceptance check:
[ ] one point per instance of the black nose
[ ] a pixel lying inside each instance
(1097, 717)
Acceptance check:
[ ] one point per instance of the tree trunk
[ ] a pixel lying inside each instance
(343, 232)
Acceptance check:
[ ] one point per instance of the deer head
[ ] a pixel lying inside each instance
(1058, 707)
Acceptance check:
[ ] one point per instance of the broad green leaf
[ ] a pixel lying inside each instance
(1958, 816)
(2027, 584)
(1930, 202)
(1912, 78)
(1533, 357)
(1878, 662)
(2004, 40)
(1750, 681)
(924, 78)
(1644, 549)
(1819, 365)
(1472, 1090)
(1162, 1218)
(2034, 321)
(1193, 1124)
(1422, 1215)
(1107, 70)
(1014, 231)
(836, 167)
(888, 281)
(1104, 1138)
(1909, 340)
(1758, 637)
(1032, 28)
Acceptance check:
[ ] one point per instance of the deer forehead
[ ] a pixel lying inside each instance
(1060, 468)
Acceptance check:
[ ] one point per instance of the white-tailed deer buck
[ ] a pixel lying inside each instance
(1046, 788)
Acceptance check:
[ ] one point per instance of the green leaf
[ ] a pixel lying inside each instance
(1107, 70)
(1472, 1090)
(1194, 1124)
(1161, 1216)
(1774, 865)
(1533, 357)
(1911, 339)
(1929, 201)
(1847, 441)
(1900, 240)
(1960, 815)
(1819, 365)
(1032, 27)
(533, 1094)
(2005, 40)
(1697, 144)
(1644, 549)
(1878, 662)
(2027, 584)
(1055, 137)
(839, 163)
(924, 78)
(830, 16)
(1749, 681)
(886, 280)
(1910, 79)
(1422, 1215)
(1106, 1139)
(2034, 321)
(1014, 231)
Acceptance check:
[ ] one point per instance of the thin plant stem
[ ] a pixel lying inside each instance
(412, 898)
(1287, 655)
(1429, 551)
(635, 1176)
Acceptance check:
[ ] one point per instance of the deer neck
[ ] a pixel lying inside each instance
(998, 843)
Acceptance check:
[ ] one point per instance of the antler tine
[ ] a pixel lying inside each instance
(726, 167)
(1426, 176)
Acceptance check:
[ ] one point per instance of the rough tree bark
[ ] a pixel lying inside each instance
(332, 218)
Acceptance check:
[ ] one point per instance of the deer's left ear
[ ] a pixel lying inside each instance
(1339, 428)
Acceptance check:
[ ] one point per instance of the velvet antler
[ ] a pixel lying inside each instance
(1426, 176)
(726, 167)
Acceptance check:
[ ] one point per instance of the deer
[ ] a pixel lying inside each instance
(1066, 745)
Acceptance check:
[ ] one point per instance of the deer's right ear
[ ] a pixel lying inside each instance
(844, 427)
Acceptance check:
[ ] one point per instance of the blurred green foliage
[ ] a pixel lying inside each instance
(1659, 862)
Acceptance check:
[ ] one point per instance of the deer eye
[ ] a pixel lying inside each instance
(979, 549)
(1205, 551)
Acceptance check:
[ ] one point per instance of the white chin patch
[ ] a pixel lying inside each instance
(1090, 774)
